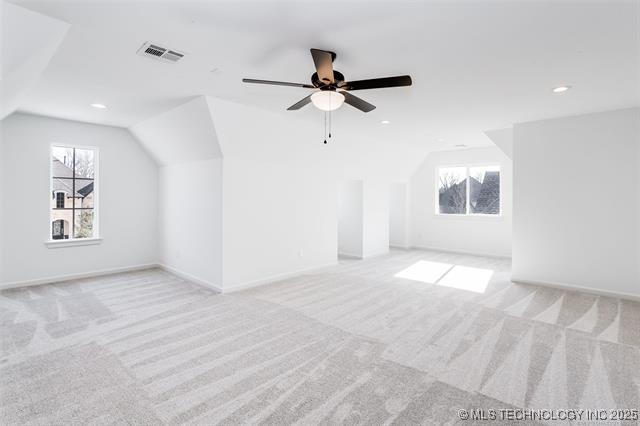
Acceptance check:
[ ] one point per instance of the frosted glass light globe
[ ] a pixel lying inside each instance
(327, 100)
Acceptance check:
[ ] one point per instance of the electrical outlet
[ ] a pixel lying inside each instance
(300, 253)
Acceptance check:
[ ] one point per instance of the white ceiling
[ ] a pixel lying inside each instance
(181, 135)
(476, 65)
(28, 41)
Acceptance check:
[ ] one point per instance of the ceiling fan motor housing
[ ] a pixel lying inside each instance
(337, 77)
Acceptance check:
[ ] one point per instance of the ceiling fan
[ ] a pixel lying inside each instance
(333, 89)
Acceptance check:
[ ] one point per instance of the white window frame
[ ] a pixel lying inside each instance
(71, 242)
(468, 213)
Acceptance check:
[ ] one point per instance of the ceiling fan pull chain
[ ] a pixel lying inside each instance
(325, 127)
(329, 124)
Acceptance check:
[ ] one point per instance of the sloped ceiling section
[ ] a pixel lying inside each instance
(29, 41)
(209, 127)
(503, 138)
(181, 135)
(356, 150)
(250, 132)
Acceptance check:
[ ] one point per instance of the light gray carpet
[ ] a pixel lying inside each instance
(353, 344)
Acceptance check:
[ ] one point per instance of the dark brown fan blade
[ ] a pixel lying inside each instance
(277, 83)
(324, 65)
(300, 104)
(377, 83)
(358, 103)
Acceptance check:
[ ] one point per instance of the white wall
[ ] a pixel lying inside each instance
(375, 217)
(350, 226)
(190, 219)
(577, 201)
(469, 234)
(399, 215)
(2, 203)
(363, 218)
(279, 196)
(127, 196)
(184, 142)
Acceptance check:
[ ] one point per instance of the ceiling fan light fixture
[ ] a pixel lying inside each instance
(327, 100)
(331, 88)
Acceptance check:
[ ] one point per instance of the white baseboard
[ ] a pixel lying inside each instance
(471, 253)
(581, 289)
(375, 254)
(399, 247)
(273, 278)
(191, 278)
(365, 256)
(350, 256)
(172, 270)
(69, 277)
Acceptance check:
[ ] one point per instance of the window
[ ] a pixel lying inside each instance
(59, 200)
(468, 190)
(58, 230)
(73, 193)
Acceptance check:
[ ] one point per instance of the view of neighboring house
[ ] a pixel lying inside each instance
(484, 196)
(71, 202)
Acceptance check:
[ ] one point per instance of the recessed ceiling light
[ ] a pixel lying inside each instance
(385, 122)
(99, 106)
(560, 89)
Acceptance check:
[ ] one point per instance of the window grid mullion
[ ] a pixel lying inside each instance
(468, 205)
(73, 197)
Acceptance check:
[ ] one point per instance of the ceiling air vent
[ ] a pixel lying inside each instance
(154, 51)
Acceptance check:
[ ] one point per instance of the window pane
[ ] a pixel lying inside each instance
(84, 163)
(84, 224)
(64, 187)
(61, 224)
(452, 190)
(61, 162)
(484, 190)
(84, 189)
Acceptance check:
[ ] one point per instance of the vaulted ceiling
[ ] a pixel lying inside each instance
(476, 65)
(28, 42)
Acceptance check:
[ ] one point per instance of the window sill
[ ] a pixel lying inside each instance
(469, 216)
(72, 243)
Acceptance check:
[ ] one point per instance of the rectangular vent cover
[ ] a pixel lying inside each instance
(157, 52)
